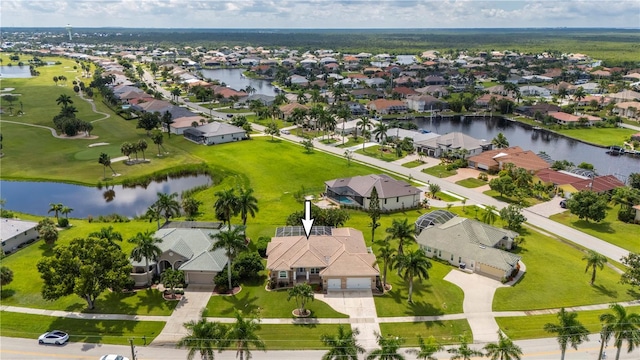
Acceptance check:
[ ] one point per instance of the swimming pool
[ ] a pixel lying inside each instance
(346, 200)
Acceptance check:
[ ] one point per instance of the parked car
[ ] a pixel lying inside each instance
(286, 132)
(563, 204)
(113, 357)
(56, 337)
(229, 115)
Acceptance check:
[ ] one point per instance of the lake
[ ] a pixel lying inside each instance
(234, 79)
(35, 197)
(15, 71)
(556, 146)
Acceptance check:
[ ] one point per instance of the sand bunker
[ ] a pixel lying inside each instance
(98, 144)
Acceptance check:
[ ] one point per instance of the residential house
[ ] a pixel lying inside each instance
(629, 109)
(566, 119)
(356, 191)
(298, 80)
(531, 90)
(185, 246)
(367, 93)
(471, 245)
(336, 258)
(15, 234)
(422, 103)
(214, 133)
(435, 90)
(287, 109)
(266, 100)
(384, 106)
(599, 184)
(542, 108)
(453, 142)
(180, 124)
(495, 160)
(625, 95)
(637, 218)
(404, 91)
(435, 80)
(415, 136)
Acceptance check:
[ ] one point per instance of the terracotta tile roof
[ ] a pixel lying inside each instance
(384, 103)
(515, 155)
(598, 184)
(556, 177)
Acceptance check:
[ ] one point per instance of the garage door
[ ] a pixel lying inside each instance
(358, 283)
(200, 278)
(334, 284)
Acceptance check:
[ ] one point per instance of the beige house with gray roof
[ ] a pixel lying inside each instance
(339, 260)
(356, 191)
(471, 245)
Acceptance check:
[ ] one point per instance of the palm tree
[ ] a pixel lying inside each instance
(489, 216)
(504, 349)
(387, 255)
(108, 234)
(500, 141)
(175, 92)
(364, 124)
(380, 133)
(463, 351)
(142, 146)
(562, 93)
(167, 205)
(302, 293)
(343, 346)
(389, 346)
(153, 214)
(231, 241)
(243, 334)
(105, 161)
(226, 206)
(579, 94)
(146, 246)
(594, 260)
(568, 330)
(623, 327)
(426, 349)
(203, 336)
(191, 207)
(64, 100)
(412, 264)
(402, 231)
(157, 139)
(247, 204)
(55, 208)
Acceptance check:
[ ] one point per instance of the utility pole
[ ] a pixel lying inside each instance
(133, 350)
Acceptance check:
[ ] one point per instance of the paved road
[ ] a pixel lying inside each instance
(27, 349)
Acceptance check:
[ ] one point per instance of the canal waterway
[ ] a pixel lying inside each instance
(34, 197)
(234, 79)
(556, 146)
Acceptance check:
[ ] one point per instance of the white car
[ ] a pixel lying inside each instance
(56, 337)
(113, 357)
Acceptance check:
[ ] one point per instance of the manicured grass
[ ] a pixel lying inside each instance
(350, 141)
(556, 278)
(439, 171)
(269, 304)
(295, 337)
(599, 136)
(446, 197)
(25, 289)
(471, 183)
(610, 229)
(532, 327)
(526, 202)
(412, 164)
(445, 332)
(434, 296)
(374, 151)
(117, 332)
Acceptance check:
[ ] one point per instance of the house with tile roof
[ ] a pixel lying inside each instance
(439, 145)
(214, 133)
(384, 106)
(185, 246)
(356, 191)
(495, 160)
(471, 245)
(337, 260)
(566, 119)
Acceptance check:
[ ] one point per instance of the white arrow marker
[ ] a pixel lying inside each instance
(307, 221)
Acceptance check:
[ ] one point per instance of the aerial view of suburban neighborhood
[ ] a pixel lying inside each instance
(288, 192)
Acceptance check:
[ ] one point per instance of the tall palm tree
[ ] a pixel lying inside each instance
(389, 347)
(167, 205)
(426, 349)
(364, 124)
(146, 246)
(623, 327)
(226, 205)
(108, 234)
(463, 351)
(64, 100)
(568, 330)
(243, 335)
(411, 265)
(579, 94)
(489, 216)
(204, 337)
(380, 133)
(142, 146)
(153, 214)
(55, 208)
(402, 231)
(387, 255)
(105, 161)
(594, 261)
(247, 205)
(231, 241)
(500, 141)
(504, 349)
(343, 345)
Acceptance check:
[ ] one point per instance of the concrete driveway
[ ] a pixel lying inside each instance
(548, 208)
(361, 308)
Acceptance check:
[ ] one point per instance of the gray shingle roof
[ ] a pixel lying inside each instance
(386, 186)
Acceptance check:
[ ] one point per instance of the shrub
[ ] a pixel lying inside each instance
(63, 222)
(248, 265)
(222, 281)
(261, 245)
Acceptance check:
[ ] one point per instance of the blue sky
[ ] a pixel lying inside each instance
(320, 13)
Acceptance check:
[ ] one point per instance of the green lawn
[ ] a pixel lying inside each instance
(529, 201)
(269, 304)
(446, 197)
(556, 278)
(471, 183)
(374, 151)
(430, 297)
(439, 171)
(412, 164)
(349, 141)
(610, 229)
(117, 332)
(532, 327)
(295, 337)
(445, 332)
(599, 136)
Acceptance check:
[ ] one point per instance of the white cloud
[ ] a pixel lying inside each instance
(321, 13)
